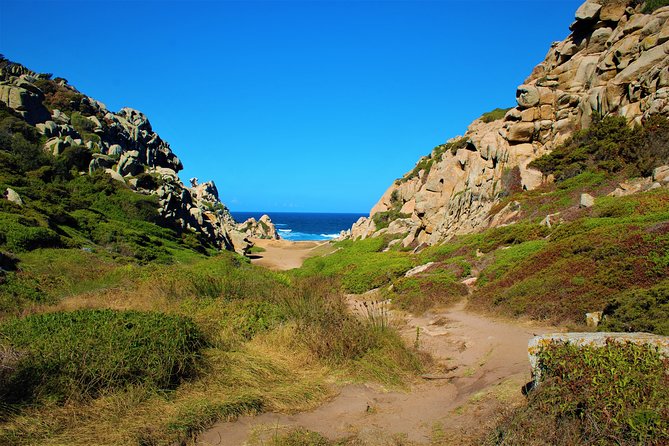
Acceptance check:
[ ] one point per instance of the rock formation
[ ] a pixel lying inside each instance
(262, 228)
(615, 61)
(123, 145)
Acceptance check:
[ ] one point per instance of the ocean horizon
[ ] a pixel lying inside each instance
(301, 226)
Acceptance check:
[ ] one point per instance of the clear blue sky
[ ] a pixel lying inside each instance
(292, 105)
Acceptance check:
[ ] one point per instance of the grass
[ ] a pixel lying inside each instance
(80, 354)
(273, 342)
(360, 265)
(616, 394)
(494, 115)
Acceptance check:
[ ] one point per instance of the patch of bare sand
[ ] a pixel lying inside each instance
(480, 365)
(281, 255)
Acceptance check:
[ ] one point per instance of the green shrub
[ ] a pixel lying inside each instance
(610, 145)
(83, 353)
(360, 265)
(420, 293)
(494, 115)
(383, 219)
(639, 310)
(652, 5)
(615, 394)
(20, 233)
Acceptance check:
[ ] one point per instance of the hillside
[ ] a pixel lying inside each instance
(129, 316)
(614, 62)
(57, 141)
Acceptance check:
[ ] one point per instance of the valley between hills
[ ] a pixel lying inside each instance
(134, 309)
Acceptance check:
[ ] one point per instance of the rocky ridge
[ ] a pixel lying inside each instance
(122, 144)
(615, 61)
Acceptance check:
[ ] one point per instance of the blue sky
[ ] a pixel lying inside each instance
(306, 106)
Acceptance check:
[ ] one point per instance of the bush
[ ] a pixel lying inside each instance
(494, 115)
(20, 233)
(83, 353)
(652, 5)
(610, 145)
(359, 265)
(383, 219)
(616, 394)
(420, 293)
(639, 310)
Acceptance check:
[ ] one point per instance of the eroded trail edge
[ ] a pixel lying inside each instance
(480, 366)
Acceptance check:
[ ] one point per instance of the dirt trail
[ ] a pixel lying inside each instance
(480, 367)
(283, 254)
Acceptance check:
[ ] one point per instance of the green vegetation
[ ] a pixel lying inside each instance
(360, 265)
(639, 310)
(74, 355)
(383, 219)
(176, 347)
(610, 145)
(494, 115)
(652, 5)
(426, 163)
(616, 394)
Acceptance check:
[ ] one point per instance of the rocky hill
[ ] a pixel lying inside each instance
(614, 62)
(123, 145)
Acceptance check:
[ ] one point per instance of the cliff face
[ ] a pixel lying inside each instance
(123, 145)
(615, 61)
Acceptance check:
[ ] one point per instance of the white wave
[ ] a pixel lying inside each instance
(285, 230)
(330, 235)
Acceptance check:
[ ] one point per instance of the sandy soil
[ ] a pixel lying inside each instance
(480, 367)
(283, 254)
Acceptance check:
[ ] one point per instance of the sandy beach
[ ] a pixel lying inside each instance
(281, 255)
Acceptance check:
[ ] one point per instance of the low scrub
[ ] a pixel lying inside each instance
(418, 294)
(623, 244)
(360, 265)
(610, 145)
(494, 115)
(639, 310)
(616, 394)
(79, 354)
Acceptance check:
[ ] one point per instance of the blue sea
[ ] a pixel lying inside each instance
(298, 226)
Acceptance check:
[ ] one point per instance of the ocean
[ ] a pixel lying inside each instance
(298, 226)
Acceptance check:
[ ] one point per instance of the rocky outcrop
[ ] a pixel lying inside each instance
(124, 146)
(615, 61)
(262, 228)
(12, 196)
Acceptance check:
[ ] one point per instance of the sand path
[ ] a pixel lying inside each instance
(480, 367)
(281, 255)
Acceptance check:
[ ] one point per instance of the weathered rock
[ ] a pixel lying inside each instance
(25, 101)
(527, 96)
(587, 201)
(593, 319)
(11, 195)
(418, 269)
(130, 164)
(240, 242)
(115, 150)
(521, 132)
(612, 12)
(588, 11)
(661, 174)
(262, 229)
(115, 175)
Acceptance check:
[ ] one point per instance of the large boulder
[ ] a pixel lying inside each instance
(11, 195)
(262, 228)
(25, 101)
